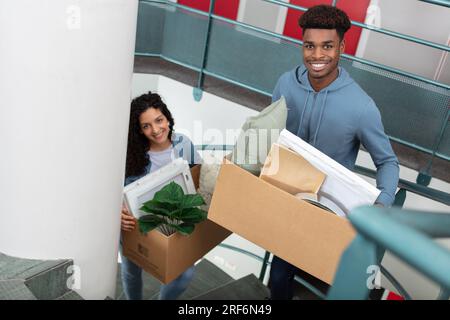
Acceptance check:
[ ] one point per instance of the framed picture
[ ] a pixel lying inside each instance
(144, 189)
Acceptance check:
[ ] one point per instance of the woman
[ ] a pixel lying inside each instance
(152, 143)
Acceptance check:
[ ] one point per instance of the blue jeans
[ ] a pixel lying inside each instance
(132, 282)
(281, 279)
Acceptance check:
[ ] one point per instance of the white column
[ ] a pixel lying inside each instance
(65, 86)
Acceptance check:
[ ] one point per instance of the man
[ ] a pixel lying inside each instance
(331, 112)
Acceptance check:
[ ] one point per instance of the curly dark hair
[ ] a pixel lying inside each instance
(325, 17)
(138, 143)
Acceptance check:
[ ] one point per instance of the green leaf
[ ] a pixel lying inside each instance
(151, 218)
(170, 206)
(171, 193)
(149, 222)
(184, 228)
(155, 208)
(192, 200)
(193, 215)
(175, 214)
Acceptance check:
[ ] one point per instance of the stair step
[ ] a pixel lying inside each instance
(71, 295)
(15, 290)
(51, 283)
(45, 279)
(14, 268)
(246, 288)
(207, 276)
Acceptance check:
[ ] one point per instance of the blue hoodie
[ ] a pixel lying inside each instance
(336, 120)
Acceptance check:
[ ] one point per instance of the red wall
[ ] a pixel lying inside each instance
(224, 8)
(356, 10)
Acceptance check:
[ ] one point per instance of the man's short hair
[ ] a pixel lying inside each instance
(325, 17)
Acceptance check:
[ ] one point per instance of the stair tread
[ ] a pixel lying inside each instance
(207, 276)
(52, 283)
(71, 295)
(20, 268)
(15, 290)
(44, 279)
(246, 288)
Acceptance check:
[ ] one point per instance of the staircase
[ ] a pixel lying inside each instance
(209, 283)
(26, 279)
(246, 288)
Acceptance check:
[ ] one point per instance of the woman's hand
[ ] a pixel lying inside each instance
(128, 222)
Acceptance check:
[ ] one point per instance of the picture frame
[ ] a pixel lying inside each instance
(144, 189)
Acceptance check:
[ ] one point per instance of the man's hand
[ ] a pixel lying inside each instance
(128, 222)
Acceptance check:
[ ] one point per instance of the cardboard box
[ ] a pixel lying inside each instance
(167, 257)
(294, 230)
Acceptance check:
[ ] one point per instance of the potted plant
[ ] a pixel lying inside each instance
(172, 211)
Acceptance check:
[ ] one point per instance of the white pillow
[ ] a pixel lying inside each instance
(257, 136)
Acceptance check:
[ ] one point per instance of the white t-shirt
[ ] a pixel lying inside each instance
(161, 158)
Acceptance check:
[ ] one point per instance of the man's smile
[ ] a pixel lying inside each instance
(318, 66)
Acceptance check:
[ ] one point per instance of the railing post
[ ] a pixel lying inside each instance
(264, 266)
(198, 91)
(424, 176)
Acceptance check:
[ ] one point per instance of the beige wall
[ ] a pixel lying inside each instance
(414, 18)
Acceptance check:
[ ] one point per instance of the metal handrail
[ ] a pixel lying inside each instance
(282, 37)
(348, 56)
(372, 28)
(444, 3)
(402, 291)
(267, 263)
(202, 71)
(296, 41)
(268, 94)
(391, 229)
(424, 191)
(404, 233)
(422, 223)
(308, 285)
(443, 294)
(434, 194)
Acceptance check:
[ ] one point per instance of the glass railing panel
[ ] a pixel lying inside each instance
(412, 111)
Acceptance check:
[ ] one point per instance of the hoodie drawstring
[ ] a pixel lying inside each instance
(303, 112)
(320, 117)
